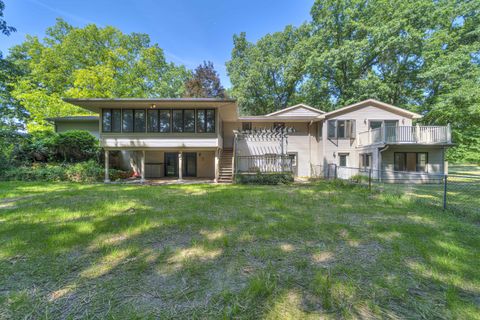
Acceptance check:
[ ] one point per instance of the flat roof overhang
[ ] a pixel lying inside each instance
(278, 119)
(227, 107)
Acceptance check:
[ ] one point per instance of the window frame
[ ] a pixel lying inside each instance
(205, 124)
(363, 157)
(348, 129)
(340, 155)
(103, 119)
(395, 166)
(133, 121)
(170, 119)
(135, 112)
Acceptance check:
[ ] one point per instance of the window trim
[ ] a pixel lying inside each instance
(416, 161)
(362, 158)
(349, 129)
(340, 155)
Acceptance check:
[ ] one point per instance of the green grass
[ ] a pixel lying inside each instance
(212, 251)
(465, 169)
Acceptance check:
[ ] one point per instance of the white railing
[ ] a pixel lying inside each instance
(405, 134)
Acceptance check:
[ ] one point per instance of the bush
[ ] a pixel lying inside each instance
(76, 145)
(38, 146)
(88, 171)
(264, 178)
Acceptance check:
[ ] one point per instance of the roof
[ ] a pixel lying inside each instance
(369, 102)
(227, 107)
(73, 118)
(295, 107)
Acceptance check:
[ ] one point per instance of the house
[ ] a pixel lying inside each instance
(207, 138)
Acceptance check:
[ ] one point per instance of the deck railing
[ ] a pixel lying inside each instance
(405, 135)
(264, 164)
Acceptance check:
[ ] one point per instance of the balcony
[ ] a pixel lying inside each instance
(428, 135)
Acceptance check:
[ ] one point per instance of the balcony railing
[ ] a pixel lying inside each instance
(405, 135)
(263, 164)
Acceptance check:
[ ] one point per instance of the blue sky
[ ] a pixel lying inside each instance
(189, 31)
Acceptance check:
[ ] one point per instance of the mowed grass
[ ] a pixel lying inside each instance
(319, 250)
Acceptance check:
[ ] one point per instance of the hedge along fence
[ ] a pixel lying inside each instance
(264, 178)
(88, 171)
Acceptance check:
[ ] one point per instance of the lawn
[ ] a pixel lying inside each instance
(320, 250)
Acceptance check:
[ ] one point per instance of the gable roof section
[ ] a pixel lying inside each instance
(298, 110)
(375, 103)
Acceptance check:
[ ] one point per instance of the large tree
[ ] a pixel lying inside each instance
(421, 55)
(89, 62)
(204, 83)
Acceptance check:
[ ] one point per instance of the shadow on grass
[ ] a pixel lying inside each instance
(233, 251)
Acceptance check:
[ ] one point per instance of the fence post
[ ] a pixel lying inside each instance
(445, 192)
(370, 179)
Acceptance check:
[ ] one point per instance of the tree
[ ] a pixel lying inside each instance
(89, 62)
(421, 55)
(204, 83)
(265, 75)
(4, 28)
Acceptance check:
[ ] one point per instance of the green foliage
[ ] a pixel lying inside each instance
(420, 55)
(89, 62)
(44, 146)
(204, 83)
(39, 146)
(76, 145)
(264, 178)
(88, 171)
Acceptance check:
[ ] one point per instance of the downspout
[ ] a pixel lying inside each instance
(380, 161)
(310, 145)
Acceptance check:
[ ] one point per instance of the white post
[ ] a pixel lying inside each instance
(107, 159)
(217, 161)
(180, 165)
(142, 167)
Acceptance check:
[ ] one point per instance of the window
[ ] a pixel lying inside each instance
(152, 120)
(293, 158)
(365, 160)
(410, 161)
(341, 129)
(127, 120)
(206, 120)
(246, 126)
(116, 120)
(107, 120)
(342, 160)
(164, 123)
(210, 127)
(177, 121)
(278, 125)
(139, 122)
(332, 128)
(375, 124)
(188, 120)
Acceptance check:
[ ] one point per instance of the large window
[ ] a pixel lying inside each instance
(158, 120)
(127, 120)
(152, 120)
(139, 123)
(341, 129)
(410, 161)
(165, 120)
(111, 120)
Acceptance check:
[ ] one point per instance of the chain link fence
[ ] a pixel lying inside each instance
(454, 192)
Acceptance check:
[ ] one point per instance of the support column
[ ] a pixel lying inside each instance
(142, 167)
(180, 165)
(217, 162)
(107, 163)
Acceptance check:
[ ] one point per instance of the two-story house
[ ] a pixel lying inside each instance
(203, 137)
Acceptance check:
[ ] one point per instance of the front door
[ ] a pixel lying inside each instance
(190, 164)
(171, 164)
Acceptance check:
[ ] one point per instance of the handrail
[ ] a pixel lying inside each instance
(405, 134)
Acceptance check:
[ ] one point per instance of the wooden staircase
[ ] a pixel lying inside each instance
(225, 174)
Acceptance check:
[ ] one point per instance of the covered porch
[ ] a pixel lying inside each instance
(167, 165)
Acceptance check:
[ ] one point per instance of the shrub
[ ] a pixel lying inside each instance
(264, 178)
(76, 145)
(38, 146)
(88, 171)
